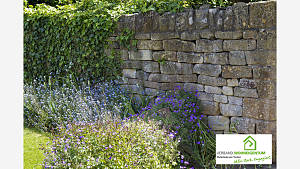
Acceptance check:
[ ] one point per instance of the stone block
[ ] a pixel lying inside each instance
(150, 66)
(164, 36)
(132, 64)
(126, 22)
(220, 98)
(237, 45)
(124, 54)
(236, 72)
(235, 100)
(142, 75)
(237, 58)
(244, 92)
(164, 55)
(212, 89)
(231, 110)
(228, 18)
(133, 88)
(175, 68)
(144, 22)
(207, 69)
(201, 17)
(216, 58)
(187, 78)
(205, 45)
(212, 81)
(169, 86)
(129, 73)
(151, 92)
(190, 36)
(207, 34)
(250, 34)
(229, 35)
(241, 16)
(227, 90)
(190, 57)
(178, 45)
(266, 127)
(261, 57)
(193, 87)
(142, 36)
(209, 108)
(266, 89)
(269, 44)
(162, 78)
(153, 85)
(243, 125)
(261, 109)
(150, 45)
(167, 22)
(264, 73)
(213, 18)
(218, 122)
(140, 55)
(262, 14)
(135, 82)
(205, 96)
(232, 82)
(247, 83)
(184, 20)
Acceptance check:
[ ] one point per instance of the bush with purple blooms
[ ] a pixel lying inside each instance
(180, 112)
(124, 144)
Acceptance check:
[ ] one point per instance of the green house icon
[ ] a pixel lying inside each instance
(249, 143)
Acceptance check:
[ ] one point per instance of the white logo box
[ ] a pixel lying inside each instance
(244, 149)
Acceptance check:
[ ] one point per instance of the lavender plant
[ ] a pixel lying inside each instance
(124, 144)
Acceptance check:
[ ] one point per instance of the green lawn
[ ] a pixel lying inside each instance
(33, 156)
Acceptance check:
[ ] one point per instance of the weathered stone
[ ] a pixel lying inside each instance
(142, 75)
(201, 17)
(261, 57)
(178, 45)
(250, 34)
(187, 78)
(164, 55)
(216, 58)
(220, 98)
(151, 92)
(130, 73)
(244, 92)
(149, 84)
(212, 18)
(266, 89)
(219, 19)
(259, 108)
(232, 82)
(228, 35)
(175, 68)
(126, 22)
(209, 45)
(243, 125)
(207, 34)
(227, 90)
(167, 22)
(135, 82)
(150, 66)
(232, 45)
(184, 20)
(124, 54)
(205, 96)
(236, 72)
(262, 14)
(190, 35)
(212, 89)
(241, 15)
(269, 44)
(247, 83)
(144, 22)
(150, 44)
(231, 110)
(228, 18)
(170, 86)
(237, 58)
(142, 36)
(164, 36)
(207, 69)
(266, 127)
(193, 87)
(132, 65)
(264, 73)
(212, 81)
(190, 57)
(209, 108)
(235, 100)
(162, 78)
(133, 89)
(140, 55)
(218, 122)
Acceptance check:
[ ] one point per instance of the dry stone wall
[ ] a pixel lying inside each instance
(227, 54)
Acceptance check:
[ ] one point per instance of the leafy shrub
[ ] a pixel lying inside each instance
(50, 2)
(47, 106)
(180, 112)
(124, 144)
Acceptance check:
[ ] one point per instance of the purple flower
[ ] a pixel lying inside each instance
(198, 142)
(109, 158)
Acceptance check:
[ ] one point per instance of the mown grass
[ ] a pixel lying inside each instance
(33, 156)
